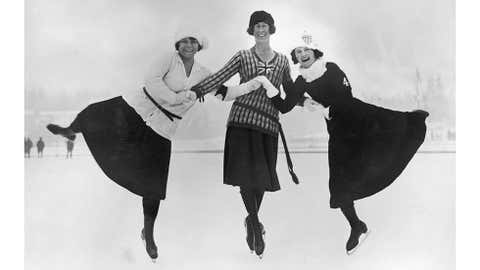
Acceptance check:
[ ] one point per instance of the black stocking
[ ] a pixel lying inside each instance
(350, 214)
(250, 200)
(75, 125)
(259, 196)
(150, 211)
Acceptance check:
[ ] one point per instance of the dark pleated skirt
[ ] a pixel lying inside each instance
(250, 159)
(368, 149)
(127, 150)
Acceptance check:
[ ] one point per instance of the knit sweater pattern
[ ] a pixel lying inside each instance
(253, 110)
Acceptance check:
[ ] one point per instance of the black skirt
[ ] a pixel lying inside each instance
(250, 159)
(127, 150)
(368, 149)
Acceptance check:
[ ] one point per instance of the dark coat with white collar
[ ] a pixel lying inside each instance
(369, 146)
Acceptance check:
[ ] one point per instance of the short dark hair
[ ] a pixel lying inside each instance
(177, 44)
(316, 53)
(261, 16)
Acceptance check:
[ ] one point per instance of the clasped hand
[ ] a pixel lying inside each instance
(271, 90)
(186, 96)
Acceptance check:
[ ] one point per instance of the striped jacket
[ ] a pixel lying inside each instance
(253, 110)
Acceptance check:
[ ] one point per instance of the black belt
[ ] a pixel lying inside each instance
(165, 111)
(282, 135)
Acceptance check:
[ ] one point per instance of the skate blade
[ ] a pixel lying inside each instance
(260, 256)
(361, 239)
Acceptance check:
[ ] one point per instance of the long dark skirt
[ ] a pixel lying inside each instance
(368, 149)
(127, 150)
(250, 159)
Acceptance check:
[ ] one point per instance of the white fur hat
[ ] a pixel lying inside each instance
(306, 40)
(188, 31)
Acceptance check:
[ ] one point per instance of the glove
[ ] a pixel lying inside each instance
(244, 88)
(232, 92)
(310, 104)
(181, 97)
(185, 97)
(271, 90)
(190, 95)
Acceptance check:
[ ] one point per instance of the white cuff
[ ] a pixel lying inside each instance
(271, 90)
(241, 89)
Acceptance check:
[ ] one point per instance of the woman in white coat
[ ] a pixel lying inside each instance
(129, 136)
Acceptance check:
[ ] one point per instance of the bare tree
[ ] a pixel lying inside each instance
(418, 95)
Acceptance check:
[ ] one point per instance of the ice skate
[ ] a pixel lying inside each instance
(250, 237)
(258, 240)
(358, 234)
(151, 251)
(250, 233)
(58, 130)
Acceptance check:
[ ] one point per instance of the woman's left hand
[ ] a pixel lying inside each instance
(271, 90)
(312, 105)
(190, 95)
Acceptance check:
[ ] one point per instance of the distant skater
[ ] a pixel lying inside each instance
(70, 144)
(28, 144)
(40, 147)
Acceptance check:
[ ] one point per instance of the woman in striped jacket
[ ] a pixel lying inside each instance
(251, 141)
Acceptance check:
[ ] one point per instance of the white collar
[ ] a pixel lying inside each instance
(315, 71)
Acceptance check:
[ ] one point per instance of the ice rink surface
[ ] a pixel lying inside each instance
(76, 218)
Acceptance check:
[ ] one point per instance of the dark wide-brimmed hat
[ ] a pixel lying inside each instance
(261, 16)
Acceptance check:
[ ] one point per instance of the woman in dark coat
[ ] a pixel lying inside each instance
(28, 144)
(369, 146)
(70, 145)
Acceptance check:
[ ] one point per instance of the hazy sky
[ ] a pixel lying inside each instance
(106, 45)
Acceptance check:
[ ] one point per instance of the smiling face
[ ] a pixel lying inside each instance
(305, 56)
(261, 32)
(188, 47)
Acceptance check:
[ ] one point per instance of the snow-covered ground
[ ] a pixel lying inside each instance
(76, 218)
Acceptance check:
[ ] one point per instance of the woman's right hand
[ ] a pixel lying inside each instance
(185, 97)
(190, 95)
(271, 90)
